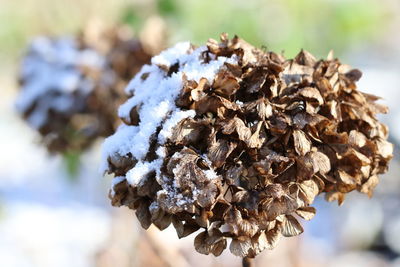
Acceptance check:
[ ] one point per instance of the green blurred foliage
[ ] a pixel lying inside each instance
(20, 20)
(72, 163)
(289, 25)
(167, 7)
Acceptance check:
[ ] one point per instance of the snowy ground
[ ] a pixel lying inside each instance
(46, 219)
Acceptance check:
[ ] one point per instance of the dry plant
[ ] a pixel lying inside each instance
(71, 87)
(237, 142)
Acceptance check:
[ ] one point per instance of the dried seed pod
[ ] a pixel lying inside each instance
(239, 142)
(72, 87)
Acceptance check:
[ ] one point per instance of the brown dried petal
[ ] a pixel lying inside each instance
(306, 213)
(248, 227)
(189, 132)
(214, 104)
(308, 190)
(378, 108)
(219, 247)
(346, 178)
(257, 138)
(357, 139)
(264, 110)
(198, 93)
(238, 126)
(356, 158)
(305, 58)
(219, 151)
(182, 229)
(291, 227)
(301, 142)
(354, 75)
(275, 208)
(201, 245)
(240, 246)
(311, 93)
(369, 185)
(143, 214)
(207, 196)
(273, 236)
(225, 84)
(385, 149)
(159, 217)
(321, 162)
(332, 196)
(259, 243)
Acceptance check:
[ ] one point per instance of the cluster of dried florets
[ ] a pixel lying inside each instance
(238, 142)
(72, 87)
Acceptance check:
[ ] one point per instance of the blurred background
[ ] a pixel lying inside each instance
(54, 211)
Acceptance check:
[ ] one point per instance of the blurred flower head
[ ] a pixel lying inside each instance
(71, 86)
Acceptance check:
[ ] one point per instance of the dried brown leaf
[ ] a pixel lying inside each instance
(184, 229)
(143, 214)
(291, 227)
(306, 213)
(369, 185)
(219, 151)
(305, 58)
(311, 93)
(335, 196)
(273, 236)
(301, 142)
(385, 149)
(308, 190)
(225, 84)
(321, 162)
(240, 246)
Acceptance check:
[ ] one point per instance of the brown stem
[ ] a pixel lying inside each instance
(248, 262)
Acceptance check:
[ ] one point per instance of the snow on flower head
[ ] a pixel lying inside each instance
(238, 142)
(52, 69)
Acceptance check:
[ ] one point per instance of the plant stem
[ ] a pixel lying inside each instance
(248, 262)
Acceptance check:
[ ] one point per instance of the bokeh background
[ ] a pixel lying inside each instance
(54, 210)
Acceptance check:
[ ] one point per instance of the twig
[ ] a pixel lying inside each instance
(248, 262)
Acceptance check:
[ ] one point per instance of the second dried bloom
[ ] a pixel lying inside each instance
(71, 87)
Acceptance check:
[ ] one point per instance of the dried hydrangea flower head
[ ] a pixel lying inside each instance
(71, 87)
(237, 142)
